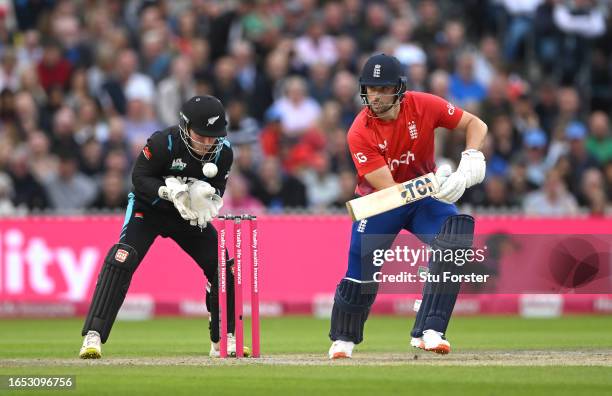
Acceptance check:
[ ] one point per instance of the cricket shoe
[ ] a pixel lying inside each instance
(434, 342)
(92, 346)
(417, 342)
(215, 348)
(341, 349)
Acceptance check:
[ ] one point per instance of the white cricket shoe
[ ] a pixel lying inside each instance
(341, 349)
(417, 342)
(92, 346)
(435, 343)
(215, 348)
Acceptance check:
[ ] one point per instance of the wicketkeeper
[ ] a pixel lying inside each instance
(178, 181)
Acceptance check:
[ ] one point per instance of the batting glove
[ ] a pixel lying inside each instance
(452, 184)
(473, 167)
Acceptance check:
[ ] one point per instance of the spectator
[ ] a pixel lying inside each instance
(248, 75)
(546, 105)
(225, 84)
(237, 199)
(27, 190)
(112, 195)
(345, 93)
(126, 78)
(155, 54)
(591, 188)
(7, 208)
(520, 25)
(487, 61)
(278, 191)
(496, 193)
(30, 53)
(315, 46)
(578, 156)
(322, 186)
(242, 129)
(9, 76)
(599, 142)
(547, 37)
(534, 142)
(89, 123)
(91, 159)
(53, 68)
(175, 90)
(464, 88)
(580, 21)
(430, 24)
(297, 111)
(64, 130)
(319, 82)
(347, 182)
(69, 190)
(140, 120)
(43, 164)
(552, 199)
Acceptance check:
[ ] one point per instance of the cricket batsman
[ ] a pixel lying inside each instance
(178, 181)
(392, 141)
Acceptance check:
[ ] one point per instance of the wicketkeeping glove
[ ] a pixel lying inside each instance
(177, 192)
(204, 202)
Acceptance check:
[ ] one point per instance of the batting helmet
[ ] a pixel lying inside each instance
(382, 71)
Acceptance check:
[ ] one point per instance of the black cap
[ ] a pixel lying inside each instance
(205, 115)
(381, 70)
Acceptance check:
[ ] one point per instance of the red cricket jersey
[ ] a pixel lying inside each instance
(406, 144)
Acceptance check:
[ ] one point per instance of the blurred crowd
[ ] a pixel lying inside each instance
(84, 83)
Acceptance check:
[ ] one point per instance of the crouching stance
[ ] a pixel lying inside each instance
(173, 198)
(392, 141)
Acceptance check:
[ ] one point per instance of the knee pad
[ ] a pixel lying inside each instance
(352, 304)
(111, 288)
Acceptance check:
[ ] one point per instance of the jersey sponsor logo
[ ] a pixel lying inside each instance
(412, 129)
(404, 159)
(376, 72)
(451, 108)
(383, 146)
(212, 120)
(146, 151)
(178, 164)
(361, 158)
(121, 255)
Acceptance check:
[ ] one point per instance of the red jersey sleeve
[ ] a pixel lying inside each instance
(365, 155)
(444, 113)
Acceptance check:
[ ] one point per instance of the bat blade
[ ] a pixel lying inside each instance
(393, 197)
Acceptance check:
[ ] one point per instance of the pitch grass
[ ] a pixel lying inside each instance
(60, 339)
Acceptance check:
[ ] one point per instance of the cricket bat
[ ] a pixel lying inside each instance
(393, 197)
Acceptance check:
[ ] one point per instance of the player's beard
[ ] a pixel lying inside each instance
(380, 108)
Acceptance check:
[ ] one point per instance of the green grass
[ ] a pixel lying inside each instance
(304, 335)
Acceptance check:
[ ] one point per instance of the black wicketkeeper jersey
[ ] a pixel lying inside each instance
(166, 155)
